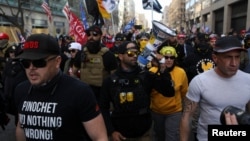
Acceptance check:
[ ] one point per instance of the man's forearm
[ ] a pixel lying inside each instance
(20, 135)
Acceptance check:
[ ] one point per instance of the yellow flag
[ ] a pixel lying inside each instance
(102, 10)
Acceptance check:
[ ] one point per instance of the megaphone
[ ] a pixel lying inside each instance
(147, 55)
(161, 32)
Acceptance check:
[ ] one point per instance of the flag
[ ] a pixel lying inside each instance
(98, 21)
(76, 28)
(20, 37)
(129, 25)
(92, 7)
(102, 10)
(93, 10)
(66, 10)
(147, 5)
(109, 5)
(46, 8)
(83, 16)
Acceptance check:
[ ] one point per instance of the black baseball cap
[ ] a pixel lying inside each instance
(228, 43)
(120, 37)
(123, 47)
(95, 28)
(39, 46)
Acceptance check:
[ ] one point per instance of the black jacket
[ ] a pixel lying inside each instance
(130, 115)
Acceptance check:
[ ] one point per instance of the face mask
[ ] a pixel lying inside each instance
(93, 47)
(143, 45)
(3, 43)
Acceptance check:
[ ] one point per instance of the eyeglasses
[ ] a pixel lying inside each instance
(132, 53)
(40, 63)
(170, 57)
(92, 33)
(11, 51)
(73, 50)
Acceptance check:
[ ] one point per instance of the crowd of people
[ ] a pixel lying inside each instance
(59, 89)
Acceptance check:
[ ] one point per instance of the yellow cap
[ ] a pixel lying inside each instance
(168, 50)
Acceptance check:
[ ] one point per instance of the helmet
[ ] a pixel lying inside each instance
(3, 36)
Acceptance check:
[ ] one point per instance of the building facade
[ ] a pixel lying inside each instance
(213, 16)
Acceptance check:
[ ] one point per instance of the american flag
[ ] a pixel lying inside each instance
(47, 10)
(20, 37)
(66, 10)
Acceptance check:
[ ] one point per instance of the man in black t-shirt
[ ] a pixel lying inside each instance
(53, 106)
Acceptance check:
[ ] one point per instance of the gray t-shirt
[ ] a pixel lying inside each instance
(214, 93)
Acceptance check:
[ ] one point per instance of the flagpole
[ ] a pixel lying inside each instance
(112, 20)
(85, 7)
(152, 9)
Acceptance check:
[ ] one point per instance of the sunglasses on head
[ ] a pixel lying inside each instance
(170, 57)
(40, 63)
(132, 53)
(72, 50)
(92, 33)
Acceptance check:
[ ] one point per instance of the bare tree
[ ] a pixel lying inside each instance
(16, 17)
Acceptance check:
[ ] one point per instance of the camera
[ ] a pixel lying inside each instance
(243, 117)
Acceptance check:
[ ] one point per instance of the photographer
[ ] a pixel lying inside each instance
(231, 119)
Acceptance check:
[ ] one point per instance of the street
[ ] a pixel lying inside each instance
(9, 133)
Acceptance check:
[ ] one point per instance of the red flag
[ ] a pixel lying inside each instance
(47, 10)
(76, 28)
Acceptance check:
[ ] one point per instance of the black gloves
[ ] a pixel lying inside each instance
(163, 84)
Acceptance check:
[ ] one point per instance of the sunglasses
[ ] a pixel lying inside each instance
(40, 63)
(143, 39)
(119, 39)
(132, 53)
(92, 33)
(11, 51)
(73, 50)
(170, 57)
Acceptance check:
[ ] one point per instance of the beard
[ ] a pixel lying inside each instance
(93, 46)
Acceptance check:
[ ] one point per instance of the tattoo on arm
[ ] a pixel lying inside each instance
(188, 105)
